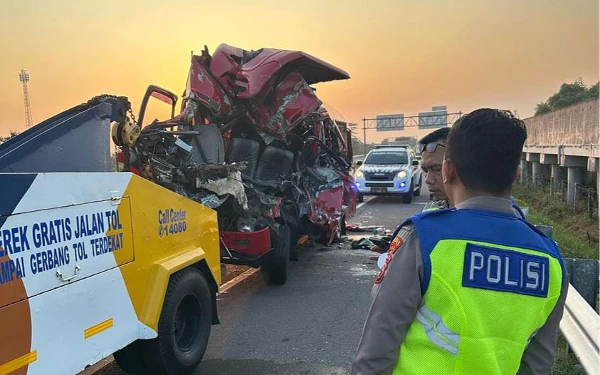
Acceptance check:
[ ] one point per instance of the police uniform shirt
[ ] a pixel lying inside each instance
(442, 203)
(396, 297)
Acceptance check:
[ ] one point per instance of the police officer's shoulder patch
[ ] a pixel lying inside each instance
(396, 243)
(394, 246)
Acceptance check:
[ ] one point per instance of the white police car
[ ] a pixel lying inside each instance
(389, 170)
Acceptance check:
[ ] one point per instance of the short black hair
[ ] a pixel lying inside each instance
(435, 136)
(486, 147)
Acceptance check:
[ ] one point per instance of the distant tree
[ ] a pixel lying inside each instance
(358, 147)
(406, 140)
(542, 108)
(568, 94)
(593, 91)
(12, 134)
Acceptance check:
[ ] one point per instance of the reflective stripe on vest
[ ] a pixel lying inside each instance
(490, 281)
(437, 331)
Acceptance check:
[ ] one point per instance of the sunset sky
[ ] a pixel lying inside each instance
(403, 56)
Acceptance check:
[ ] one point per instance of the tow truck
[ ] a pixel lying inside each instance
(95, 262)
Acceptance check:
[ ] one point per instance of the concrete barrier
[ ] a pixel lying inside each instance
(562, 146)
(574, 125)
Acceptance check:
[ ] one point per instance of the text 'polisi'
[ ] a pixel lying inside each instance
(508, 271)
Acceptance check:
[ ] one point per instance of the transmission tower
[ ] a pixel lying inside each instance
(24, 78)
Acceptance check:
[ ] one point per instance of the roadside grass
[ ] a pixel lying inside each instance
(576, 234)
(577, 237)
(566, 363)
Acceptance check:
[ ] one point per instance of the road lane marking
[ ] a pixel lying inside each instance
(365, 202)
(238, 279)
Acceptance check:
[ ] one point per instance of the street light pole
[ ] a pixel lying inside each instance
(364, 136)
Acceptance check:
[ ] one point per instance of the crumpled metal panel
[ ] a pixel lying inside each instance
(202, 86)
(269, 61)
(328, 201)
(294, 100)
(253, 70)
(77, 140)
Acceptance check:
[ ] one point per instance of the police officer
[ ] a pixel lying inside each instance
(432, 147)
(472, 289)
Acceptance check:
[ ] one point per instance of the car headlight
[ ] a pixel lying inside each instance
(359, 174)
(401, 174)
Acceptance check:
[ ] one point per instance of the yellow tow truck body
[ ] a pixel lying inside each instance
(94, 264)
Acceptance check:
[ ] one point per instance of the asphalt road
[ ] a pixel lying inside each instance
(312, 324)
(388, 212)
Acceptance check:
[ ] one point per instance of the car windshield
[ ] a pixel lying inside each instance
(387, 157)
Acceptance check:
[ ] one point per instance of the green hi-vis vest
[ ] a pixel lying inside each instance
(490, 282)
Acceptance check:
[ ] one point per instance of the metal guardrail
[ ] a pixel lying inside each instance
(580, 324)
(581, 327)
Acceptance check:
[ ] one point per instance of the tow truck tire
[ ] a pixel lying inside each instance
(279, 261)
(130, 358)
(183, 330)
(185, 323)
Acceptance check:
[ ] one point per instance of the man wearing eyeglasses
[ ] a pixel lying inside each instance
(432, 148)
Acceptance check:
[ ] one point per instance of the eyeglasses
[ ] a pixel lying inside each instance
(429, 147)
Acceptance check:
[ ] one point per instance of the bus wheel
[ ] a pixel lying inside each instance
(279, 260)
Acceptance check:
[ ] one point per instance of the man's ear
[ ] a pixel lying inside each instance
(448, 171)
(518, 173)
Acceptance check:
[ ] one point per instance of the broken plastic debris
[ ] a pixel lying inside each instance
(376, 229)
(184, 146)
(363, 243)
(231, 185)
(212, 201)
